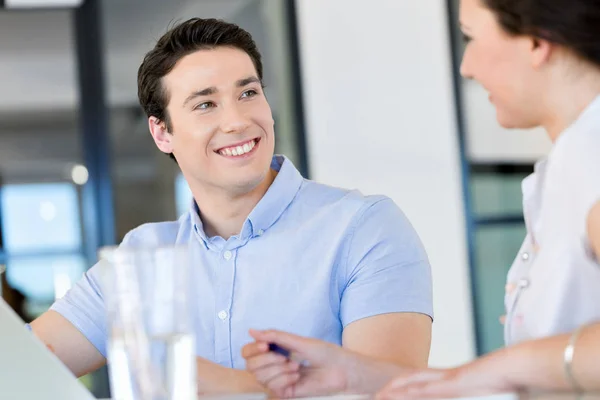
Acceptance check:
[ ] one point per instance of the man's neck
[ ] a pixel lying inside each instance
(223, 214)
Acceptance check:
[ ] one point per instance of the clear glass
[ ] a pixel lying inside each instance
(151, 346)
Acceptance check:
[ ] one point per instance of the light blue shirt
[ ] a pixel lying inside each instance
(310, 259)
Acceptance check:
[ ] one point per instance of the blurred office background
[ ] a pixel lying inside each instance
(365, 95)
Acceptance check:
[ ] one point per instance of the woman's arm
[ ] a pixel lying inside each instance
(533, 365)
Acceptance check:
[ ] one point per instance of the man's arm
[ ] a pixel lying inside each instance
(81, 357)
(399, 338)
(69, 345)
(387, 303)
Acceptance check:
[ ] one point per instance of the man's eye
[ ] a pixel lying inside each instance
(249, 93)
(204, 106)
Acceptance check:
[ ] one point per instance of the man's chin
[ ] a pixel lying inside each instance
(248, 184)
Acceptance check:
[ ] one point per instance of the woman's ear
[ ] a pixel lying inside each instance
(541, 50)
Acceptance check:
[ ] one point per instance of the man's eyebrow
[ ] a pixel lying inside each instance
(247, 81)
(200, 93)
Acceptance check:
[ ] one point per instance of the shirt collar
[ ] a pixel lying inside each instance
(532, 186)
(588, 121)
(280, 195)
(276, 200)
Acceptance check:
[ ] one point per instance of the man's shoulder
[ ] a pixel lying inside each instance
(322, 195)
(157, 233)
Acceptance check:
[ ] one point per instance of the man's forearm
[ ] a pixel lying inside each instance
(214, 378)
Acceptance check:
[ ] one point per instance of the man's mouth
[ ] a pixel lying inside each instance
(239, 149)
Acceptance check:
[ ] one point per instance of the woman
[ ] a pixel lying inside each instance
(550, 49)
(540, 62)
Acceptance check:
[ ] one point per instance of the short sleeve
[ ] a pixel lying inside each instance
(387, 269)
(83, 305)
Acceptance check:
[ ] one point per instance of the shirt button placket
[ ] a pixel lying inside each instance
(223, 302)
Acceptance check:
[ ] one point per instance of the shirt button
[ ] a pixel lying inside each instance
(523, 283)
(525, 256)
(260, 232)
(227, 255)
(222, 315)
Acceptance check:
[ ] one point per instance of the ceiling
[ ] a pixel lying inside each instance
(39, 134)
(38, 61)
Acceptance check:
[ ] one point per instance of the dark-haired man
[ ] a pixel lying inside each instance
(269, 248)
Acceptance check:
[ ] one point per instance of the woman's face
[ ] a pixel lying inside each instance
(506, 66)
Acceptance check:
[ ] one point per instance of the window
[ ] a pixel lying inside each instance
(42, 240)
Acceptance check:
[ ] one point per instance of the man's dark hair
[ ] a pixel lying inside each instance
(181, 40)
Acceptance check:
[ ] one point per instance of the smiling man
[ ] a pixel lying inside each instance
(270, 249)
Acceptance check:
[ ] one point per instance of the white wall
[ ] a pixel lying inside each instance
(380, 117)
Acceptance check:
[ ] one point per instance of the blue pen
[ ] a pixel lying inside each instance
(275, 348)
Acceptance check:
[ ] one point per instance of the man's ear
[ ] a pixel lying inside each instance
(161, 135)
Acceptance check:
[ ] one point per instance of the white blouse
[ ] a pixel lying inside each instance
(553, 285)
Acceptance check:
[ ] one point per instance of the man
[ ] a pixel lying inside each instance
(269, 248)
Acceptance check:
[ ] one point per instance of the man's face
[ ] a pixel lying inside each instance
(222, 129)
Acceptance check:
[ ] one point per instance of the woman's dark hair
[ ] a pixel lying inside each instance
(574, 24)
(183, 39)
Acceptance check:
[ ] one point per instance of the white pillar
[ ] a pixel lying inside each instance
(381, 117)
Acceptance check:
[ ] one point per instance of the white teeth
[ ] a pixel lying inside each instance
(238, 150)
